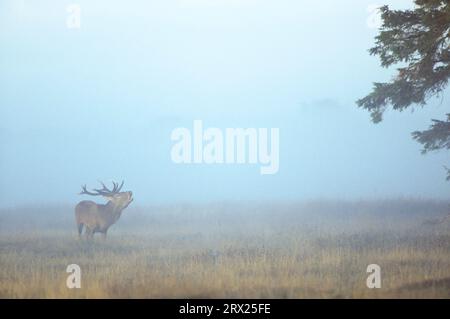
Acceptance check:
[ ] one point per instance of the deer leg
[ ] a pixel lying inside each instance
(88, 232)
(80, 229)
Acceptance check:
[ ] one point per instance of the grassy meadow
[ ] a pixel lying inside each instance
(314, 249)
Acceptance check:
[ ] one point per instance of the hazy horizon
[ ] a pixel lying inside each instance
(100, 102)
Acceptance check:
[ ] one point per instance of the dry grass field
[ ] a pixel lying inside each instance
(315, 249)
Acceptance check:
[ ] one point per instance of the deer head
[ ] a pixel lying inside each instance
(121, 200)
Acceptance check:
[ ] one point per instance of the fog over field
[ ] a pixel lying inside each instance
(300, 213)
(101, 102)
(316, 249)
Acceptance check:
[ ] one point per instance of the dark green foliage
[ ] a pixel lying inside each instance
(436, 137)
(419, 40)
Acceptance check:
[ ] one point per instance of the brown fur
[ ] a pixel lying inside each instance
(99, 217)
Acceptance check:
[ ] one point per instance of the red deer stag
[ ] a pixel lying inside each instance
(99, 217)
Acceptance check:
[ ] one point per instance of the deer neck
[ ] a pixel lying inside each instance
(114, 209)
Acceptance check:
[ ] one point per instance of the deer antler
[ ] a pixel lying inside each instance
(105, 191)
(117, 188)
(86, 192)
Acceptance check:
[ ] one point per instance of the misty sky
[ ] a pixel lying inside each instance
(100, 102)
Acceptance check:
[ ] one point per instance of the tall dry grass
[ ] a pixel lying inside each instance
(316, 249)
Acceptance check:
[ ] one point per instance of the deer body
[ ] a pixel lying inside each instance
(99, 217)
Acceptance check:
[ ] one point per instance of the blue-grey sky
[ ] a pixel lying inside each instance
(100, 102)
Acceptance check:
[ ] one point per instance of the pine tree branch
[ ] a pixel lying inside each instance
(436, 137)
